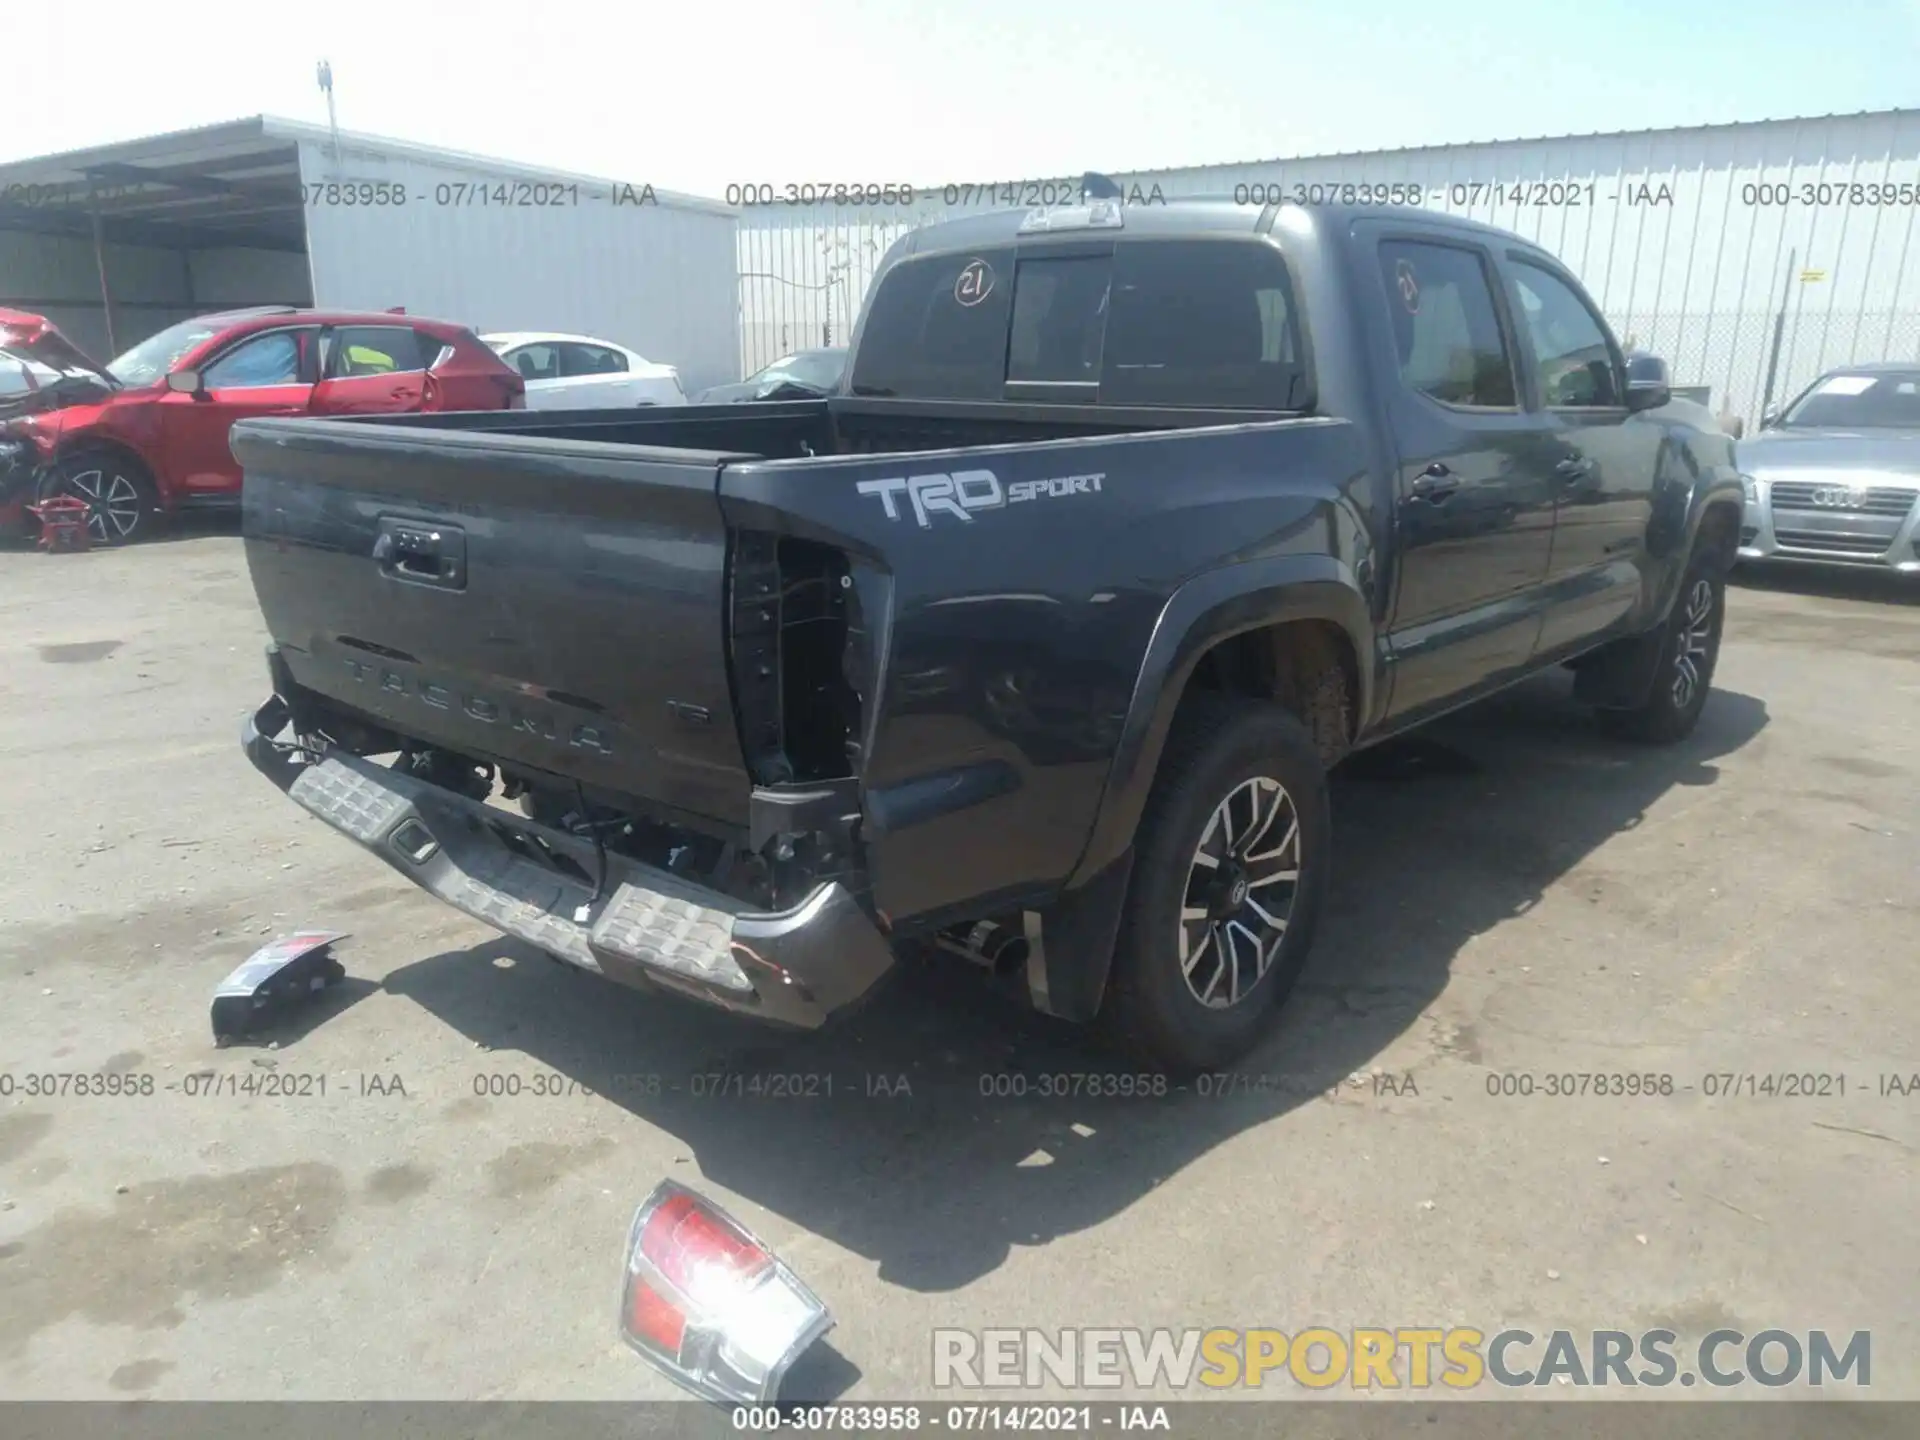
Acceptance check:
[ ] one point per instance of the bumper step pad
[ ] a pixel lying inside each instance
(462, 853)
(676, 935)
(649, 929)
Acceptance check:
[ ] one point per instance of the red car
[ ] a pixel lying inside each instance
(158, 442)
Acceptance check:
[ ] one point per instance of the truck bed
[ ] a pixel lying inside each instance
(705, 616)
(844, 425)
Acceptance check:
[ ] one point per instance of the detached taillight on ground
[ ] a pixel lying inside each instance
(710, 1305)
(279, 975)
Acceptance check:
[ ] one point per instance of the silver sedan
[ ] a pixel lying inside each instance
(1834, 476)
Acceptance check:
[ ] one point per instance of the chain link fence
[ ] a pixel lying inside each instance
(1730, 354)
(802, 279)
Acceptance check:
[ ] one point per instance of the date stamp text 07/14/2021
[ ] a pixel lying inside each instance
(350, 192)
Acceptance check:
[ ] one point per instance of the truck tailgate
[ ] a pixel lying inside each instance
(516, 599)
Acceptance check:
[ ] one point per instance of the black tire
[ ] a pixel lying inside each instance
(1689, 650)
(1220, 751)
(119, 491)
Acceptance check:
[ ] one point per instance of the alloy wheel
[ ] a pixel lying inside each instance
(1690, 656)
(113, 503)
(1240, 891)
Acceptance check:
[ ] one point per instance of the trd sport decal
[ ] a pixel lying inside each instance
(966, 491)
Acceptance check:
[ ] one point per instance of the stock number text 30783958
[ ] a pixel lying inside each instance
(996, 195)
(749, 193)
(1360, 192)
(1460, 194)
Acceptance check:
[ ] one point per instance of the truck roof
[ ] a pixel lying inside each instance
(1161, 220)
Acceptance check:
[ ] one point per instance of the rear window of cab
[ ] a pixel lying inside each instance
(1201, 323)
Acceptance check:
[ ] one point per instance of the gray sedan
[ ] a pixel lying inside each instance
(1834, 476)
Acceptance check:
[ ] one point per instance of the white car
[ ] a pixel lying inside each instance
(578, 372)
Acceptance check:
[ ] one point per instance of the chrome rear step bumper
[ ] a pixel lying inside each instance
(648, 927)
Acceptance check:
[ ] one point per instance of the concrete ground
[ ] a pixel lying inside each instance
(1515, 895)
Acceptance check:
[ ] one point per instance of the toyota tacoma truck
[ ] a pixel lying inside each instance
(1035, 640)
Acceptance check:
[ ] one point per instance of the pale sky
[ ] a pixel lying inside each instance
(694, 94)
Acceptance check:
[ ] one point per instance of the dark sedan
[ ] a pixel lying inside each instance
(798, 376)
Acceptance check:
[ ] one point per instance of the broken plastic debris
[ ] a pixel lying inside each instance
(275, 977)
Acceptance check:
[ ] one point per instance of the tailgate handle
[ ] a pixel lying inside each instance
(422, 554)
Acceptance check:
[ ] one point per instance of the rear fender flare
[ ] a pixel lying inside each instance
(1203, 612)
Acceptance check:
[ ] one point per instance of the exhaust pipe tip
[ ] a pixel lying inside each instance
(989, 945)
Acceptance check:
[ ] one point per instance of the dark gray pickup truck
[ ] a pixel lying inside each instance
(1036, 640)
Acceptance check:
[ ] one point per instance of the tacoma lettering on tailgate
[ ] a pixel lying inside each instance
(479, 707)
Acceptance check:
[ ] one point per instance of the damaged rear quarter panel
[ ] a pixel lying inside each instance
(1018, 627)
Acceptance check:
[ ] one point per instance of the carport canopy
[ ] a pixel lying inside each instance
(231, 184)
(235, 184)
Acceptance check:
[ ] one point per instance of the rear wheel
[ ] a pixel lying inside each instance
(1690, 648)
(1228, 877)
(118, 494)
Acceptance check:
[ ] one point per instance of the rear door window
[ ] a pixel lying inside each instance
(1446, 331)
(577, 359)
(1204, 323)
(374, 350)
(536, 362)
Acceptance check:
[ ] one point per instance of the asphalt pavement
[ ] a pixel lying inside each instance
(430, 1199)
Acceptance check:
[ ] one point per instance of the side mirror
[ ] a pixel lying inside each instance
(1770, 418)
(1649, 384)
(187, 382)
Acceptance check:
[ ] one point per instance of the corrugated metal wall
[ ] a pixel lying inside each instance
(152, 288)
(659, 278)
(1689, 239)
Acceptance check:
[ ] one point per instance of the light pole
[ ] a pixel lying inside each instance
(324, 74)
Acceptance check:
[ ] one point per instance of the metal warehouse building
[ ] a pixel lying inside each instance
(117, 242)
(1700, 244)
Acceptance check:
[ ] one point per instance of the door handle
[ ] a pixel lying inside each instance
(1571, 472)
(1435, 483)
